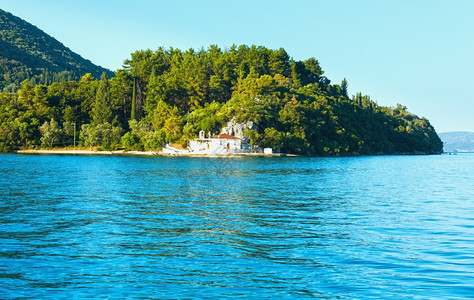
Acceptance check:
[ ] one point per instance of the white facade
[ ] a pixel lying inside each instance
(221, 144)
(267, 150)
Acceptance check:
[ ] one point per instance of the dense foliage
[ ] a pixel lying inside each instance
(26, 52)
(169, 95)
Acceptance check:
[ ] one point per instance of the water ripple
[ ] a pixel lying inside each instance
(154, 227)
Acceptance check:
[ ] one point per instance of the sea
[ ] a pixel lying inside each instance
(151, 227)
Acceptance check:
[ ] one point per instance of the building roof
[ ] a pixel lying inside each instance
(226, 136)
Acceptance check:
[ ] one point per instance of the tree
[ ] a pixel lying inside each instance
(312, 72)
(344, 86)
(173, 126)
(296, 74)
(105, 135)
(50, 132)
(134, 101)
(108, 135)
(279, 62)
(142, 137)
(121, 95)
(69, 115)
(101, 111)
(273, 138)
(89, 135)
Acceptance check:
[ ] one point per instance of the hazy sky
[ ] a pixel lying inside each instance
(418, 53)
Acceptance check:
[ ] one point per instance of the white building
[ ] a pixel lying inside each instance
(221, 144)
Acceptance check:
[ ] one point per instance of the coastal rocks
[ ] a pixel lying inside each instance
(237, 129)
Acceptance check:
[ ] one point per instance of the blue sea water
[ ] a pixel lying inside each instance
(378, 227)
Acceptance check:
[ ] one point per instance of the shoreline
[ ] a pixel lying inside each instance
(159, 153)
(142, 153)
(82, 152)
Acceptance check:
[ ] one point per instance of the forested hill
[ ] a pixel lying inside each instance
(169, 95)
(26, 52)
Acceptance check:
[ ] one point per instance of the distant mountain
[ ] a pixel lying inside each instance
(26, 52)
(461, 141)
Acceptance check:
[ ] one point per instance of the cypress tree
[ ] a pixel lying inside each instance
(132, 115)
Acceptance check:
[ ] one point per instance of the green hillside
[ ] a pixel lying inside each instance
(169, 95)
(26, 52)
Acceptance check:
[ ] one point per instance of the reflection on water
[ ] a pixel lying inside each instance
(170, 227)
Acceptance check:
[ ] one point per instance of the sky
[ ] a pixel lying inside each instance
(419, 53)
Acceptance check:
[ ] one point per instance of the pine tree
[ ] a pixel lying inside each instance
(295, 76)
(344, 86)
(102, 112)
